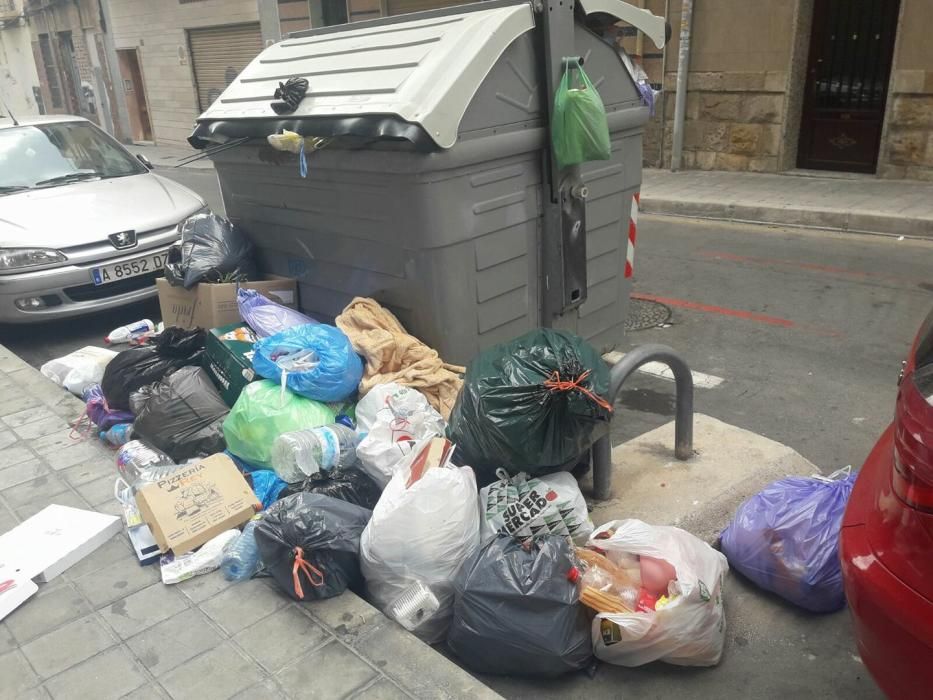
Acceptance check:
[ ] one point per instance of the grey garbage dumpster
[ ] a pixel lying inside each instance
(436, 193)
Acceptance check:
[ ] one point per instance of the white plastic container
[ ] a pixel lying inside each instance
(132, 331)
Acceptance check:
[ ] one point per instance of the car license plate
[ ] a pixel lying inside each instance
(130, 268)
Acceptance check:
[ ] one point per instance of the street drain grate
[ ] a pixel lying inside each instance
(643, 314)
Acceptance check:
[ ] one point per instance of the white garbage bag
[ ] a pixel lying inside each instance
(79, 369)
(691, 628)
(391, 418)
(523, 507)
(421, 533)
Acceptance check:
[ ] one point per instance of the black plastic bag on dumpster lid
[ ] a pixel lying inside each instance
(347, 483)
(131, 369)
(515, 612)
(211, 250)
(184, 416)
(530, 405)
(310, 544)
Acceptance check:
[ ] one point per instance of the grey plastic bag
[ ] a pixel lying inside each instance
(515, 611)
(211, 250)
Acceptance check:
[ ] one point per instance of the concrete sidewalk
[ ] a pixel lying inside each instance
(109, 628)
(170, 156)
(844, 202)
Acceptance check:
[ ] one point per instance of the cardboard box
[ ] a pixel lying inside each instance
(195, 503)
(228, 359)
(54, 539)
(15, 589)
(212, 305)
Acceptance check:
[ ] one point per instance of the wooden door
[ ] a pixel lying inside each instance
(851, 46)
(135, 94)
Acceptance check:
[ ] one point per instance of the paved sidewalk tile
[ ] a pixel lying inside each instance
(99, 491)
(16, 675)
(118, 580)
(143, 609)
(281, 638)
(111, 551)
(175, 640)
(22, 472)
(200, 588)
(14, 455)
(267, 688)
(243, 604)
(40, 428)
(150, 692)
(215, 675)
(7, 640)
(47, 610)
(303, 679)
(66, 646)
(44, 487)
(30, 415)
(16, 402)
(7, 438)
(90, 471)
(107, 676)
(68, 498)
(384, 689)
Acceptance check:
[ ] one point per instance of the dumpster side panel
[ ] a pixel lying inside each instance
(451, 251)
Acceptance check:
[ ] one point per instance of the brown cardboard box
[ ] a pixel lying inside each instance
(211, 305)
(196, 503)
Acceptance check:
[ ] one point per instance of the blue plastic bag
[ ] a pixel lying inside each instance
(786, 539)
(316, 361)
(265, 316)
(266, 485)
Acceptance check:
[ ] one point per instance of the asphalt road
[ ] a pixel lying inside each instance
(805, 328)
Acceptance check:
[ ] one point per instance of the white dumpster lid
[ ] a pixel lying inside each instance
(424, 71)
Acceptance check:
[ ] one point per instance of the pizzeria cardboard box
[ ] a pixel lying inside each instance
(195, 503)
(209, 304)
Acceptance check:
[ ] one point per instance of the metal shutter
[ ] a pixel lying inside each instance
(401, 7)
(218, 54)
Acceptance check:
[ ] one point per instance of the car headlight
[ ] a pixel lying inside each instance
(16, 258)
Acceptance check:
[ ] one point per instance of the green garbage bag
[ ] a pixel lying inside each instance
(530, 405)
(579, 130)
(262, 413)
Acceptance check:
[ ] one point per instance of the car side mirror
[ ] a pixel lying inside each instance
(145, 161)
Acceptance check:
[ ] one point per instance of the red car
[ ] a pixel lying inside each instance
(886, 543)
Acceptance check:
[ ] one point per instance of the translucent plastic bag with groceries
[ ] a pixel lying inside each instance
(424, 526)
(392, 418)
(679, 616)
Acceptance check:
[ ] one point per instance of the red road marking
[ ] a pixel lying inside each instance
(737, 313)
(731, 257)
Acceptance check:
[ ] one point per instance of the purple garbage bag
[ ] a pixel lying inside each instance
(100, 413)
(265, 316)
(785, 539)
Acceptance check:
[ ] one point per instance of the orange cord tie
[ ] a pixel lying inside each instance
(308, 569)
(555, 383)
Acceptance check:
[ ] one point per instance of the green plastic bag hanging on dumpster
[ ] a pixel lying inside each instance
(530, 405)
(263, 412)
(579, 129)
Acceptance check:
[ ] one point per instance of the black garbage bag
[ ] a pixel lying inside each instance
(131, 369)
(347, 483)
(530, 405)
(211, 250)
(310, 544)
(183, 416)
(515, 612)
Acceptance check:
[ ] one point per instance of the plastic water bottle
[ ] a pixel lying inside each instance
(140, 464)
(299, 454)
(118, 435)
(132, 331)
(241, 556)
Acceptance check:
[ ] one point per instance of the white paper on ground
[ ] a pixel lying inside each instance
(54, 539)
(15, 589)
(147, 549)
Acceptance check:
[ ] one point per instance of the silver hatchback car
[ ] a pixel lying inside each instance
(84, 226)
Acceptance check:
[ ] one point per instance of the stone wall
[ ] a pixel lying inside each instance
(907, 145)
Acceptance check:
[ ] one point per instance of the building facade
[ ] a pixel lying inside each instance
(838, 85)
(20, 89)
(70, 57)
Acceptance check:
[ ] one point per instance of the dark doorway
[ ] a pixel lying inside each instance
(851, 46)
